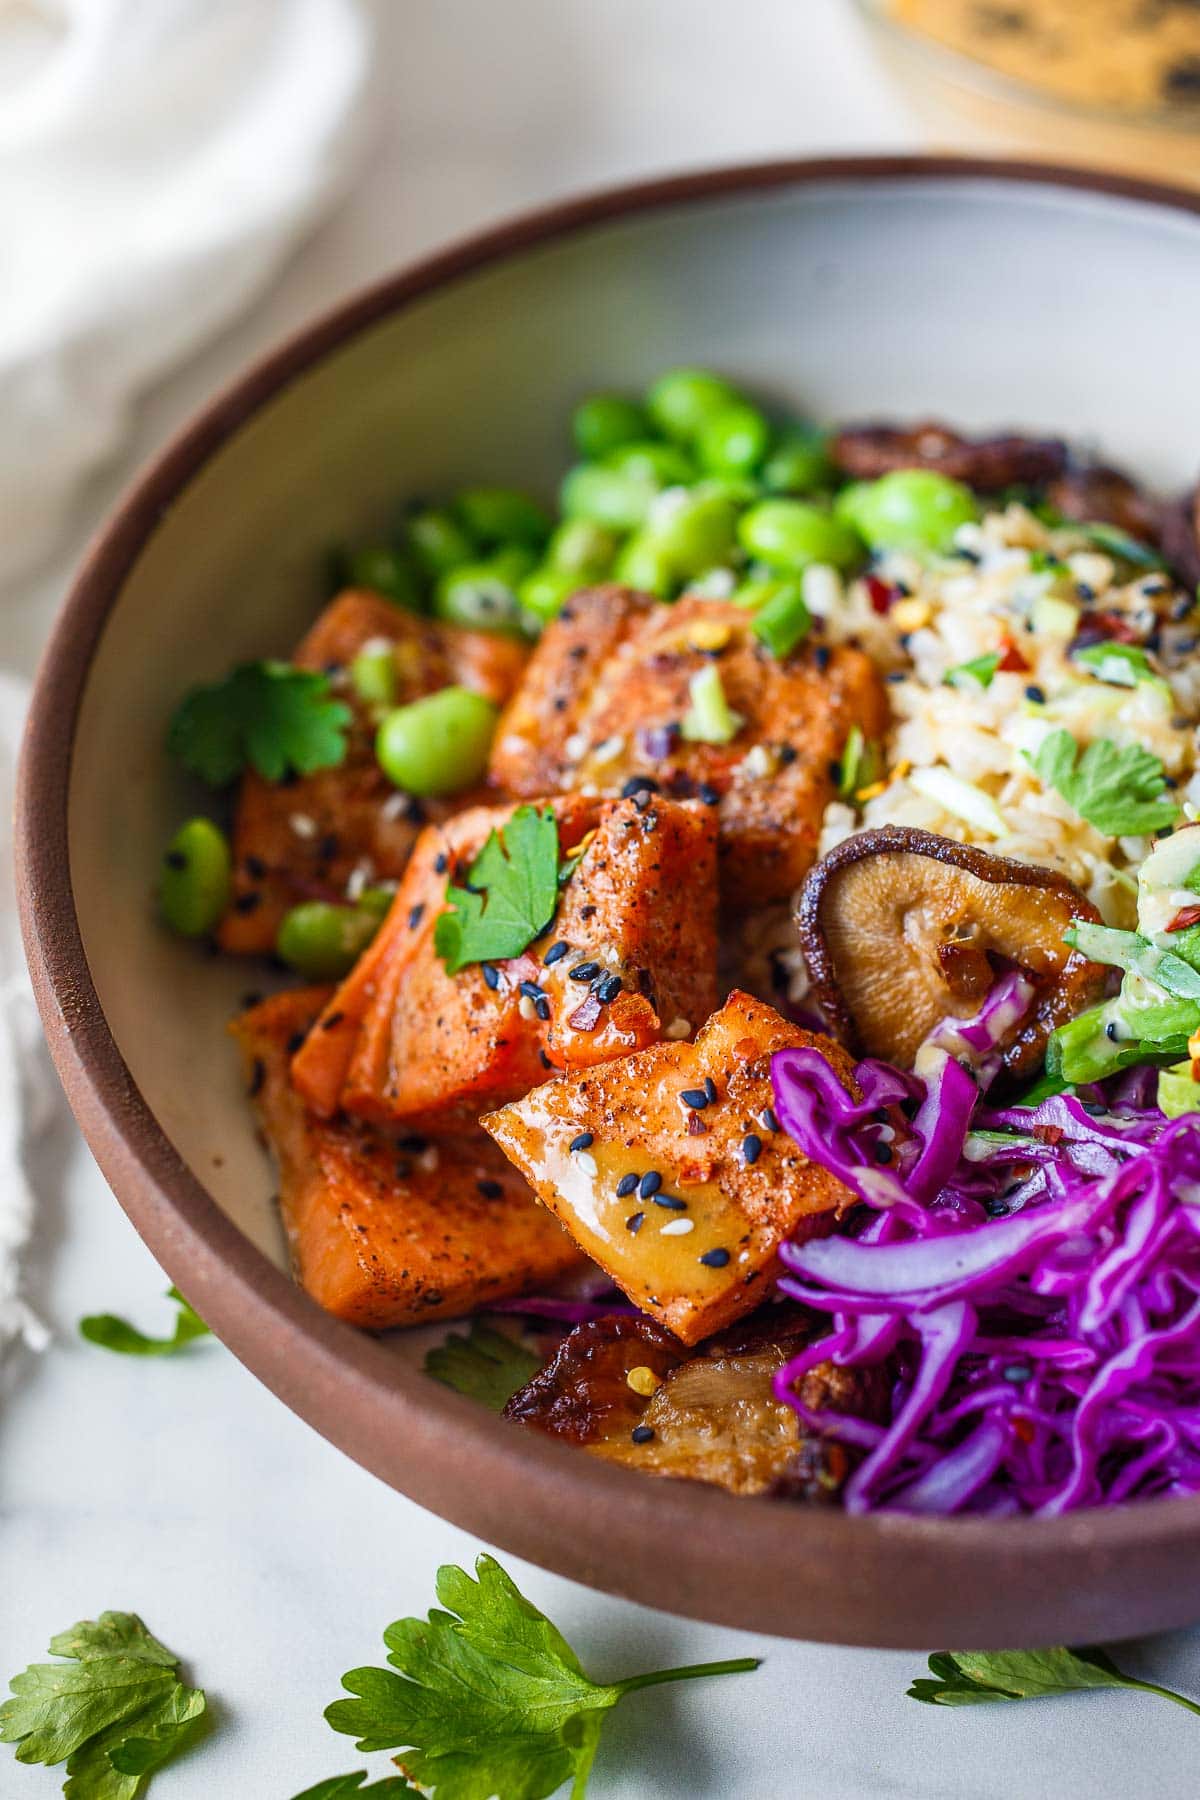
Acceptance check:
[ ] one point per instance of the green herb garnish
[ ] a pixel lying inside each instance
(1121, 544)
(113, 1333)
(115, 1710)
(487, 1365)
(267, 716)
(1120, 789)
(510, 896)
(350, 1787)
(489, 1698)
(969, 1677)
(709, 718)
(1121, 665)
(981, 670)
(858, 764)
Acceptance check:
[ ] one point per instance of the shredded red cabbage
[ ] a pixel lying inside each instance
(1033, 1272)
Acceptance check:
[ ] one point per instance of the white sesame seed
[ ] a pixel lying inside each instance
(575, 745)
(394, 806)
(759, 762)
(609, 750)
(587, 1162)
(303, 825)
(526, 1008)
(359, 878)
(677, 1228)
(678, 1028)
(427, 1162)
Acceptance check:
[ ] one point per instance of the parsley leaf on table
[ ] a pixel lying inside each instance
(113, 1333)
(488, 1366)
(490, 1698)
(267, 716)
(511, 894)
(1120, 789)
(349, 1787)
(115, 1710)
(972, 1677)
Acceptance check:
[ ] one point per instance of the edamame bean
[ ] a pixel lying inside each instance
(691, 530)
(373, 676)
(799, 464)
(387, 572)
(644, 564)
(613, 498)
(603, 422)
(910, 509)
(542, 594)
(439, 542)
(483, 595)
(438, 745)
(494, 515)
(196, 879)
(664, 464)
(680, 401)
(733, 441)
(322, 941)
(581, 548)
(376, 900)
(791, 534)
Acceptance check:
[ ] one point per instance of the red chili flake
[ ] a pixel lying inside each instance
(587, 1016)
(1012, 662)
(883, 595)
(1184, 918)
(1114, 626)
(1048, 1134)
(696, 1125)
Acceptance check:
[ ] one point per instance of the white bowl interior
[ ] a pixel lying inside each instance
(987, 302)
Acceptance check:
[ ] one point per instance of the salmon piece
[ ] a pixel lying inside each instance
(720, 1185)
(402, 1040)
(387, 1231)
(769, 786)
(301, 839)
(709, 1415)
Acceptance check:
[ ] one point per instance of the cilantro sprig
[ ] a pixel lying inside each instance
(115, 1710)
(111, 1332)
(975, 1677)
(487, 1366)
(267, 716)
(350, 1787)
(1118, 788)
(510, 894)
(489, 1697)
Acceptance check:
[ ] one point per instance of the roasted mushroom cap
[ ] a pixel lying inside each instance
(867, 451)
(1097, 491)
(901, 929)
(1181, 538)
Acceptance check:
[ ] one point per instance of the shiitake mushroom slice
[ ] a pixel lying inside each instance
(1096, 491)
(901, 928)
(988, 464)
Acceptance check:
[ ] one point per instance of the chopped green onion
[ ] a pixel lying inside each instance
(978, 671)
(709, 719)
(960, 798)
(373, 676)
(1122, 665)
(783, 621)
(1136, 955)
(1178, 1090)
(1119, 543)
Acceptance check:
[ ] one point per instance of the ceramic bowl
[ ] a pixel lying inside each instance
(990, 294)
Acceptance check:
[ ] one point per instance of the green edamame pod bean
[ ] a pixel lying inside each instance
(733, 441)
(791, 534)
(681, 400)
(376, 900)
(664, 464)
(483, 595)
(543, 593)
(692, 530)
(495, 515)
(439, 542)
(196, 879)
(643, 564)
(613, 498)
(387, 572)
(438, 745)
(373, 676)
(603, 422)
(582, 548)
(323, 942)
(910, 509)
(799, 464)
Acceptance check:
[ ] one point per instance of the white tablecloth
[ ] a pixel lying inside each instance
(183, 1489)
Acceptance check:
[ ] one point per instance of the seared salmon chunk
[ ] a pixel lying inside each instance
(304, 839)
(391, 1231)
(671, 1171)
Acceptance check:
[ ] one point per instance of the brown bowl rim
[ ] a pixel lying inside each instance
(886, 1580)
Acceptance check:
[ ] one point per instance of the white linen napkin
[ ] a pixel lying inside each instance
(158, 160)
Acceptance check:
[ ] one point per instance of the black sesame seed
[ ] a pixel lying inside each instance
(694, 1097)
(412, 1140)
(626, 1185)
(751, 1147)
(1016, 1372)
(332, 1020)
(416, 914)
(883, 1153)
(672, 1202)
(895, 676)
(584, 971)
(255, 867)
(246, 903)
(634, 1222)
(542, 1009)
(639, 784)
(257, 1076)
(1094, 1108)
(491, 975)
(441, 864)
(555, 953)
(545, 1060)
(607, 989)
(531, 990)
(767, 1119)
(295, 1042)
(710, 1088)
(1110, 1031)
(971, 556)
(1085, 591)
(649, 1184)
(707, 794)
(584, 1141)
(787, 754)
(491, 1190)
(175, 859)
(821, 655)
(715, 1259)
(327, 849)
(1036, 694)
(642, 1434)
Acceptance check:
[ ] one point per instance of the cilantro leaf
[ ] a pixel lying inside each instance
(266, 716)
(488, 1365)
(511, 894)
(1120, 665)
(490, 1698)
(1120, 789)
(981, 670)
(113, 1333)
(349, 1787)
(115, 1709)
(974, 1677)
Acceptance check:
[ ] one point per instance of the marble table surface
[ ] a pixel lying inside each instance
(184, 1490)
